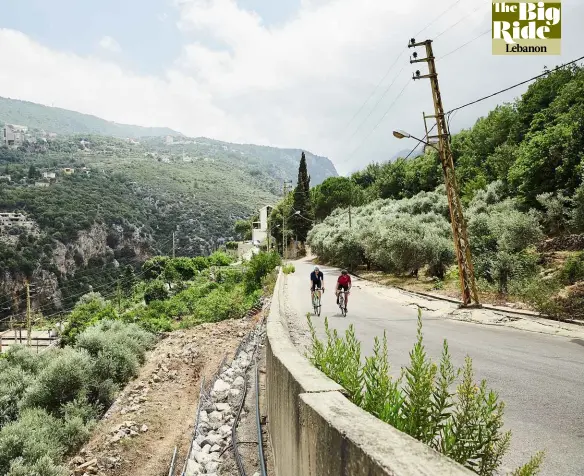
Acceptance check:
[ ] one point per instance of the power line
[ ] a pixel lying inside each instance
(438, 17)
(467, 43)
(395, 62)
(419, 143)
(379, 122)
(515, 85)
(71, 283)
(376, 87)
(459, 21)
(377, 103)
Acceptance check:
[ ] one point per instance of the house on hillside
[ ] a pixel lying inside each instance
(259, 232)
(9, 220)
(42, 184)
(13, 135)
(49, 175)
(68, 171)
(5, 178)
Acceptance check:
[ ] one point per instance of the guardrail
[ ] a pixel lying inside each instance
(316, 431)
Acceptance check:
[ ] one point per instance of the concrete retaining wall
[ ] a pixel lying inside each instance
(316, 431)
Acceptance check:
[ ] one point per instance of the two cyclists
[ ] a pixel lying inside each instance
(317, 283)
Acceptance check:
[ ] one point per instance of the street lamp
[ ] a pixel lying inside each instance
(407, 135)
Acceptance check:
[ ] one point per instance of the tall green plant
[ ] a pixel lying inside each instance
(464, 424)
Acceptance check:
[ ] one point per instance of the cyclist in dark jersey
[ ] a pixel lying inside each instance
(316, 281)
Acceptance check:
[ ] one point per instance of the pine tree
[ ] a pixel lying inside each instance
(301, 223)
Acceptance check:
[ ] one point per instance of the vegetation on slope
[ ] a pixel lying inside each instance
(49, 402)
(63, 121)
(520, 172)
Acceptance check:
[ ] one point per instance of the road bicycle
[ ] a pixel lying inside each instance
(343, 302)
(316, 301)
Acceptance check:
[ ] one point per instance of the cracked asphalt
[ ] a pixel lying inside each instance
(540, 377)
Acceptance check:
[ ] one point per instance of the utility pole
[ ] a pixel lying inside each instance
(284, 239)
(349, 216)
(459, 232)
(173, 246)
(28, 316)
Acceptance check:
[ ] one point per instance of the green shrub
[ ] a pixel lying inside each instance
(258, 267)
(155, 291)
(34, 436)
(220, 259)
(288, 269)
(65, 378)
(221, 304)
(14, 381)
(42, 467)
(23, 357)
(200, 263)
(231, 245)
(87, 312)
(573, 269)
(154, 267)
(464, 424)
(229, 276)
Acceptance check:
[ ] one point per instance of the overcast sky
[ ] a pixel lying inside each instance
(288, 73)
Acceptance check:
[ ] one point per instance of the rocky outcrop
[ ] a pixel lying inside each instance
(99, 243)
(562, 243)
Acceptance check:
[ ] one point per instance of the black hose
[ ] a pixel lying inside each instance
(236, 454)
(259, 425)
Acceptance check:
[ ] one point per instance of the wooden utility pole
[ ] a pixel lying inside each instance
(173, 245)
(284, 239)
(28, 312)
(459, 232)
(349, 216)
(284, 244)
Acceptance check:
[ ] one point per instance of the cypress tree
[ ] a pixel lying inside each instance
(301, 224)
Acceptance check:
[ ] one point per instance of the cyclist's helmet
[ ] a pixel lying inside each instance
(344, 271)
(316, 268)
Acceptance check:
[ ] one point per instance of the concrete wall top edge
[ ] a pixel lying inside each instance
(308, 377)
(397, 453)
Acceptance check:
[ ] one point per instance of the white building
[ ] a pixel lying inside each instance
(13, 135)
(259, 232)
(49, 175)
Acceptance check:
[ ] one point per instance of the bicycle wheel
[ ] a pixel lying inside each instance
(342, 305)
(318, 306)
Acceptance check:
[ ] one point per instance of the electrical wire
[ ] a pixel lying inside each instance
(515, 85)
(395, 62)
(438, 17)
(465, 44)
(376, 87)
(71, 283)
(376, 104)
(378, 123)
(458, 22)
(419, 143)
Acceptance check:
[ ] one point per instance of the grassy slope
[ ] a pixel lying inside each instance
(63, 121)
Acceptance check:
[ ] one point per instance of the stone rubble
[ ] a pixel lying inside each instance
(217, 415)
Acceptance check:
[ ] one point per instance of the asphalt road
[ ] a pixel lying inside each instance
(539, 377)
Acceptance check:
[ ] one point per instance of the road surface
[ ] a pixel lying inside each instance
(539, 377)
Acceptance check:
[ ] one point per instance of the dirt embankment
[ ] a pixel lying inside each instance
(156, 412)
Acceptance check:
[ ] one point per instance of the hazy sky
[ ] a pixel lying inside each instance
(289, 73)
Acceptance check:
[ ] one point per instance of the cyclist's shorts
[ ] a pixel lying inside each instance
(342, 286)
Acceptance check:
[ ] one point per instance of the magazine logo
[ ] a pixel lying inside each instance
(527, 28)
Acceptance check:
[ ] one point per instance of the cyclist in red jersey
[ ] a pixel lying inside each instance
(343, 283)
